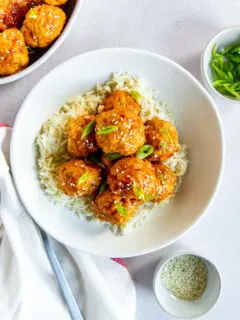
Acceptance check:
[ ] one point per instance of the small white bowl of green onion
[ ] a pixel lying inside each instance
(220, 64)
(186, 285)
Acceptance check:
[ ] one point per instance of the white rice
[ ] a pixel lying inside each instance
(52, 139)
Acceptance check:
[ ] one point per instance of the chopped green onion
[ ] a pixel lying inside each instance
(231, 91)
(163, 144)
(61, 150)
(88, 129)
(237, 70)
(214, 53)
(29, 49)
(161, 177)
(221, 74)
(226, 50)
(83, 177)
(225, 67)
(167, 134)
(218, 82)
(138, 192)
(149, 198)
(136, 95)
(144, 151)
(113, 156)
(103, 187)
(107, 130)
(32, 14)
(234, 58)
(121, 210)
(235, 49)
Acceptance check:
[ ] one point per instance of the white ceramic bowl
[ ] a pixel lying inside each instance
(188, 309)
(222, 39)
(198, 124)
(71, 8)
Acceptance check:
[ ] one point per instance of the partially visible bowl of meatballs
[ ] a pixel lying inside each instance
(30, 32)
(120, 163)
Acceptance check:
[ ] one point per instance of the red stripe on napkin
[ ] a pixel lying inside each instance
(4, 125)
(117, 260)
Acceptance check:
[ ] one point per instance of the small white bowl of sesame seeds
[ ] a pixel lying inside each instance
(186, 285)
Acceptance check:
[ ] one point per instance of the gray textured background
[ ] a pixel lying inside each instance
(179, 29)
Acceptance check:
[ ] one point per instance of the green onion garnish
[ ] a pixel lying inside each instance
(107, 130)
(167, 134)
(61, 150)
(121, 210)
(214, 54)
(161, 177)
(138, 192)
(29, 49)
(225, 67)
(88, 129)
(163, 144)
(144, 151)
(136, 95)
(113, 156)
(149, 198)
(103, 187)
(83, 177)
(32, 14)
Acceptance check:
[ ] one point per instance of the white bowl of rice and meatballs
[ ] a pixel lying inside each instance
(177, 134)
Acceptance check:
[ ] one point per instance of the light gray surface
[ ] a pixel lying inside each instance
(179, 29)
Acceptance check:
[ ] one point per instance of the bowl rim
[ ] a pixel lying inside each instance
(205, 78)
(173, 255)
(222, 146)
(50, 51)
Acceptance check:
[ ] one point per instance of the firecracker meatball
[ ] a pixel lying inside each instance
(133, 176)
(166, 181)
(42, 25)
(12, 12)
(79, 178)
(81, 136)
(119, 132)
(13, 52)
(114, 208)
(120, 100)
(163, 136)
(6, 18)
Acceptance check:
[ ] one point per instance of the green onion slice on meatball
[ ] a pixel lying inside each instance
(103, 187)
(144, 151)
(88, 129)
(113, 156)
(107, 130)
(83, 177)
(138, 192)
(121, 210)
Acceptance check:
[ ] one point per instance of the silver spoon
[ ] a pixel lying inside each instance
(62, 281)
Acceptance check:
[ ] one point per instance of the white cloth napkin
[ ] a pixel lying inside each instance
(28, 287)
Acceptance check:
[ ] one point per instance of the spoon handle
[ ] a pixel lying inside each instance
(63, 284)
